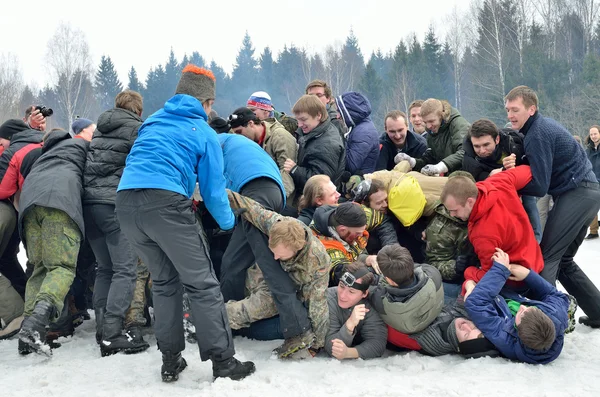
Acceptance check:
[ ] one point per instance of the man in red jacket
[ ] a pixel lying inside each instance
(495, 218)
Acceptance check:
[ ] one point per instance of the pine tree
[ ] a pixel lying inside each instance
(245, 72)
(172, 73)
(107, 83)
(197, 59)
(371, 86)
(266, 72)
(134, 83)
(354, 63)
(431, 73)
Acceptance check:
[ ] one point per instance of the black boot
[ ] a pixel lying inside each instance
(62, 327)
(233, 369)
(99, 322)
(24, 348)
(585, 320)
(33, 329)
(172, 365)
(135, 333)
(114, 340)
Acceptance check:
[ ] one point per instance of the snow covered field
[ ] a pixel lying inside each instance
(76, 369)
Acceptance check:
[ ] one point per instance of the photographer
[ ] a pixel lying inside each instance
(35, 117)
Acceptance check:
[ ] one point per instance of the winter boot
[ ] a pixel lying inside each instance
(232, 369)
(24, 348)
(100, 311)
(292, 345)
(571, 314)
(33, 329)
(135, 333)
(172, 365)
(11, 328)
(115, 341)
(585, 320)
(62, 327)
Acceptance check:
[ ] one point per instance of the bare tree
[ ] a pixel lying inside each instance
(69, 63)
(457, 37)
(549, 11)
(587, 10)
(11, 86)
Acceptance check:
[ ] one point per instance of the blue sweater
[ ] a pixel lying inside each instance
(245, 161)
(558, 163)
(174, 149)
(489, 311)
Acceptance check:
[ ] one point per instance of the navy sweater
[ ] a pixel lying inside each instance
(558, 163)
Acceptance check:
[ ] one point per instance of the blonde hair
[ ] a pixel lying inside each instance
(312, 105)
(313, 189)
(439, 107)
(288, 232)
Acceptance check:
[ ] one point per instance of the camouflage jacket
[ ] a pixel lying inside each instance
(308, 269)
(281, 145)
(446, 239)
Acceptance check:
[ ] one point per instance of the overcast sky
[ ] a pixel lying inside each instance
(141, 33)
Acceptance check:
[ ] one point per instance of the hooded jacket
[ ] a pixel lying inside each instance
(511, 142)
(362, 146)
(410, 309)
(446, 144)
(415, 146)
(13, 179)
(175, 149)
(116, 131)
(56, 179)
(488, 309)
(593, 154)
(499, 220)
(19, 140)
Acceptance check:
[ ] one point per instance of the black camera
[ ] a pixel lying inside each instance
(46, 112)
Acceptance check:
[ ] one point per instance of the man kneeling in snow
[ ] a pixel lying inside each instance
(528, 330)
(355, 328)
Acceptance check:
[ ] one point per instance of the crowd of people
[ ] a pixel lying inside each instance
(313, 228)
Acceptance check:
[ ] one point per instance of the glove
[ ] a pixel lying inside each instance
(405, 157)
(462, 262)
(360, 192)
(432, 170)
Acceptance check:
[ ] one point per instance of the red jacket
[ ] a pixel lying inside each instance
(13, 180)
(499, 220)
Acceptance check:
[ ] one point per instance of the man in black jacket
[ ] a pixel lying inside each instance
(51, 227)
(116, 278)
(398, 139)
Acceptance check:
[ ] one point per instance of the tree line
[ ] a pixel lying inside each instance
(552, 46)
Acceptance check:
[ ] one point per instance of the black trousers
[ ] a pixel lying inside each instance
(165, 233)
(565, 230)
(247, 246)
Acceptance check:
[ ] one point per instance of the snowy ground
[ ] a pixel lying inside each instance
(76, 369)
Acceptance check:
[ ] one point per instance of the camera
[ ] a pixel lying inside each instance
(44, 111)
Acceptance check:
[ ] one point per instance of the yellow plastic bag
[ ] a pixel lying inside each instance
(406, 200)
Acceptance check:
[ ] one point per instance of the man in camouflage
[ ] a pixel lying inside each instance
(307, 264)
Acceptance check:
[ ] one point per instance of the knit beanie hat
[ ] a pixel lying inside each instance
(436, 341)
(80, 124)
(260, 100)
(197, 82)
(349, 214)
(220, 125)
(11, 127)
(451, 335)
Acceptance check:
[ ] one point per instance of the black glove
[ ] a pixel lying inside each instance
(462, 262)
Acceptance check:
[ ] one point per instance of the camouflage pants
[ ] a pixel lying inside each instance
(258, 304)
(135, 314)
(52, 240)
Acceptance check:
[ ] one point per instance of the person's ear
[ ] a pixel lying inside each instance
(497, 139)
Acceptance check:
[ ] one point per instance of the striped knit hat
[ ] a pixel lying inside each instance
(260, 100)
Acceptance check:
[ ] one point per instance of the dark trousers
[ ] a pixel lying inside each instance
(117, 261)
(9, 248)
(165, 233)
(565, 230)
(248, 246)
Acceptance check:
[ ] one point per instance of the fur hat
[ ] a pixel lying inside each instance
(260, 100)
(197, 82)
(80, 124)
(11, 127)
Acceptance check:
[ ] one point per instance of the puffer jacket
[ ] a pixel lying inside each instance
(593, 154)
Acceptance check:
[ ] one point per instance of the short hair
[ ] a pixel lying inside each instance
(528, 96)
(312, 105)
(28, 111)
(440, 108)
(376, 186)
(130, 100)
(313, 189)
(483, 127)
(536, 330)
(320, 83)
(415, 104)
(395, 114)
(288, 232)
(396, 263)
(459, 187)
(353, 267)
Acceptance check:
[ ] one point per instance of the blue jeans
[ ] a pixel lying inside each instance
(530, 206)
(267, 329)
(451, 292)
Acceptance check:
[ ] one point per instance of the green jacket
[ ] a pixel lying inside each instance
(446, 144)
(446, 239)
(281, 145)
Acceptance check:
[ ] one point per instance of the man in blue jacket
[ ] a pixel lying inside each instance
(174, 149)
(530, 330)
(250, 171)
(560, 168)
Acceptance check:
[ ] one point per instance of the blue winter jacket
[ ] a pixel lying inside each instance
(362, 145)
(174, 149)
(245, 161)
(489, 311)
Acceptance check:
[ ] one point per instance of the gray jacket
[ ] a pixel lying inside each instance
(372, 330)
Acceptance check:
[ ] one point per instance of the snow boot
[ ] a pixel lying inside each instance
(571, 314)
(33, 329)
(135, 333)
(292, 345)
(100, 311)
(11, 328)
(23, 348)
(585, 320)
(62, 327)
(115, 341)
(172, 366)
(232, 369)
